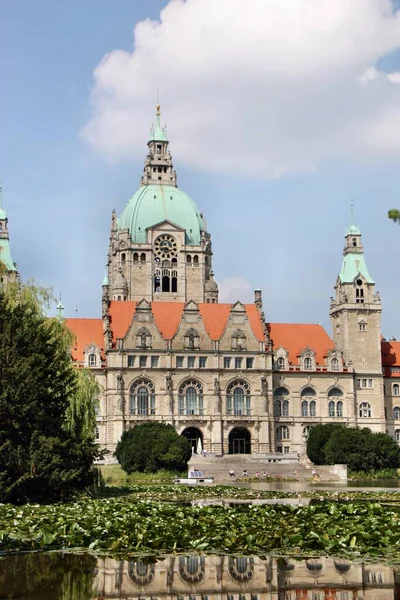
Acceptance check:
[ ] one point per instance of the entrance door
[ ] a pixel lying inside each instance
(193, 435)
(239, 441)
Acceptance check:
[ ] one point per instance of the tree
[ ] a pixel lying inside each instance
(148, 447)
(41, 458)
(362, 450)
(317, 439)
(394, 215)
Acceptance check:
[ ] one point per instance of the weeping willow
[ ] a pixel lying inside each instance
(84, 402)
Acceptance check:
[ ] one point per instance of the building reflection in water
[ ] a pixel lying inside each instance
(245, 578)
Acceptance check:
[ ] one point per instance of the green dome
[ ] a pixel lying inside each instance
(154, 203)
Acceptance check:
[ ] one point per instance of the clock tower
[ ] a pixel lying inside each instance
(160, 249)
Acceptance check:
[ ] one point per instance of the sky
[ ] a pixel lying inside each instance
(280, 113)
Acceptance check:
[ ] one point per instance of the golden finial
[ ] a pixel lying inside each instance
(158, 110)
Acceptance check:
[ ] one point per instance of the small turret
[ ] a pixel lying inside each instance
(8, 269)
(60, 310)
(211, 290)
(158, 167)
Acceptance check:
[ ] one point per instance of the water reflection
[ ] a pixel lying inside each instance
(193, 577)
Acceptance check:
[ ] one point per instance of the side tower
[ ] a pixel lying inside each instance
(8, 269)
(159, 247)
(355, 314)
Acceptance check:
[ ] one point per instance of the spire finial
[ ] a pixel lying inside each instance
(60, 310)
(158, 110)
(352, 212)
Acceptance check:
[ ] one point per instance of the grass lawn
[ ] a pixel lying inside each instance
(114, 475)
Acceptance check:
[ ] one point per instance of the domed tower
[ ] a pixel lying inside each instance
(159, 247)
(355, 313)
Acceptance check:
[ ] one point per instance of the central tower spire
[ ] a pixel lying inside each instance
(158, 167)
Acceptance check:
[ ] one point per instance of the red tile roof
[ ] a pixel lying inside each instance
(295, 337)
(85, 332)
(390, 357)
(167, 316)
(121, 315)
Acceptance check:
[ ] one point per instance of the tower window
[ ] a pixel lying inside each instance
(135, 257)
(354, 242)
(362, 326)
(195, 259)
(143, 257)
(359, 294)
(158, 150)
(189, 259)
(123, 258)
(160, 169)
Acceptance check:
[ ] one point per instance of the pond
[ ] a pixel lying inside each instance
(301, 486)
(60, 576)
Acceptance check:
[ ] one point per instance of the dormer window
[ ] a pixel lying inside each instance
(280, 362)
(335, 364)
(92, 356)
(308, 363)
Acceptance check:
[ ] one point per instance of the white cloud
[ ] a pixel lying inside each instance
(394, 77)
(233, 288)
(263, 87)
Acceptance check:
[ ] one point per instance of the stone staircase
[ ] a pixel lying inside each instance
(220, 466)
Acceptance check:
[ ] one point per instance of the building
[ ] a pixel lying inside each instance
(245, 578)
(165, 349)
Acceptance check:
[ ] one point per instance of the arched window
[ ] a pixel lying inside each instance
(308, 363)
(313, 408)
(280, 363)
(174, 281)
(335, 406)
(195, 259)
(335, 364)
(282, 433)
(143, 257)
(281, 402)
(238, 399)
(135, 257)
(304, 408)
(191, 568)
(396, 412)
(396, 389)
(364, 410)
(123, 258)
(92, 360)
(142, 398)
(397, 435)
(189, 259)
(191, 398)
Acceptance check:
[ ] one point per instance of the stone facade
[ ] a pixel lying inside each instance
(245, 578)
(167, 350)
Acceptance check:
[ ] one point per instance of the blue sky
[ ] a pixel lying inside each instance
(271, 151)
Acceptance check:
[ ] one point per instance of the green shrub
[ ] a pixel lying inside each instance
(362, 450)
(149, 447)
(318, 437)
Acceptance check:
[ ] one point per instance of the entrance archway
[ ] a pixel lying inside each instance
(239, 441)
(193, 435)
